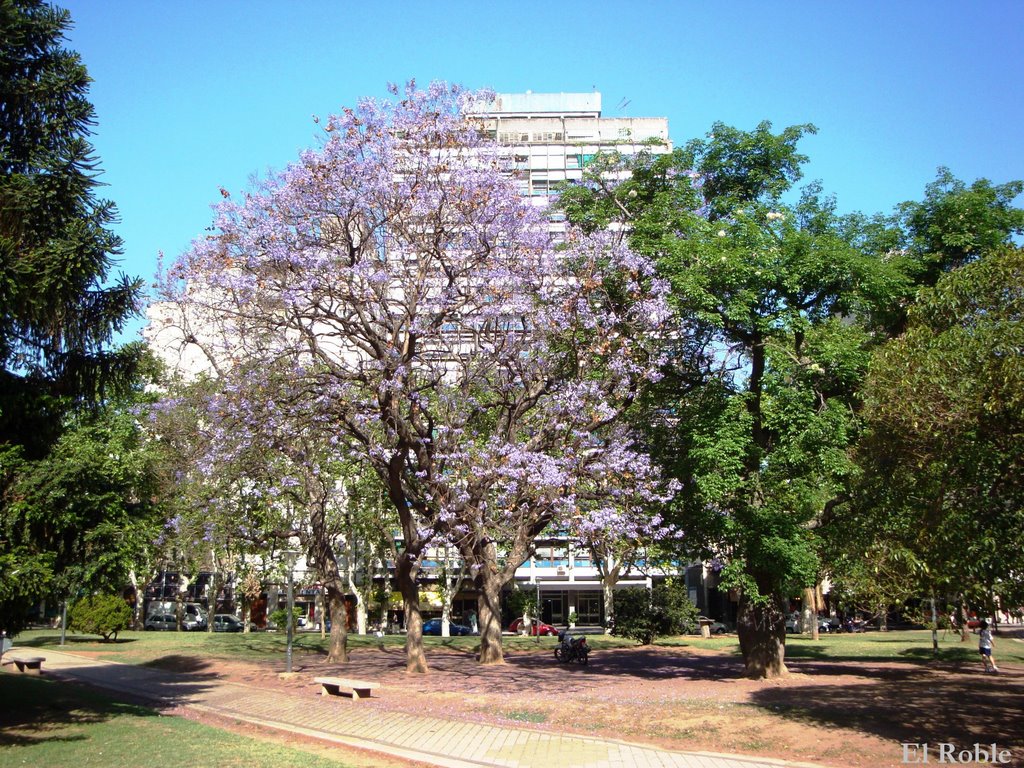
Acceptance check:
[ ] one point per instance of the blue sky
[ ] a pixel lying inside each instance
(191, 96)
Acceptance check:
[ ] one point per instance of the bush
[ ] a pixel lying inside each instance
(643, 615)
(520, 602)
(279, 618)
(103, 615)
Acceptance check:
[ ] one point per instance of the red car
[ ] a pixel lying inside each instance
(536, 628)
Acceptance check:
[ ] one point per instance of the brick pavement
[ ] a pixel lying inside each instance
(436, 741)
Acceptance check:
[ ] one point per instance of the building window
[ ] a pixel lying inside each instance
(551, 557)
(572, 161)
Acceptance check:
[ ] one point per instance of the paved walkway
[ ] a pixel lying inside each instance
(448, 743)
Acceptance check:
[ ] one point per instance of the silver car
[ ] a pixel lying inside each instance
(169, 622)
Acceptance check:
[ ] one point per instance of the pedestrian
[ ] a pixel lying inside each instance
(985, 648)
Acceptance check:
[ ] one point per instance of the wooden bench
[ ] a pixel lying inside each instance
(28, 665)
(357, 689)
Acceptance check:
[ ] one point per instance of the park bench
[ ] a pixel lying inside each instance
(357, 689)
(29, 665)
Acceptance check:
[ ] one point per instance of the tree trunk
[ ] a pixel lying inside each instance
(609, 579)
(489, 615)
(446, 615)
(338, 649)
(321, 612)
(762, 634)
(179, 599)
(405, 573)
(216, 581)
(354, 589)
(809, 614)
(137, 606)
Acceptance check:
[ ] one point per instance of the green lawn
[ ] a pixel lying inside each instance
(46, 723)
(145, 647)
(902, 645)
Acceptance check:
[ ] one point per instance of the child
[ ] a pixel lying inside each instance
(985, 648)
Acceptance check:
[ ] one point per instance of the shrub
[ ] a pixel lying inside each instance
(103, 615)
(279, 618)
(520, 602)
(643, 615)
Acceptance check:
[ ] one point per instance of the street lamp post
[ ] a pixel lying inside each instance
(290, 557)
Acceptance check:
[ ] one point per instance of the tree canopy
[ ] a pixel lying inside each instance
(942, 457)
(58, 309)
(393, 297)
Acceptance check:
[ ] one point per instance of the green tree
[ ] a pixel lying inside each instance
(955, 223)
(58, 309)
(664, 610)
(943, 455)
(85, 513)
(757, 416)
(103, 615)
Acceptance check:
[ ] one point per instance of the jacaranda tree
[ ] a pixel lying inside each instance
(430, 327)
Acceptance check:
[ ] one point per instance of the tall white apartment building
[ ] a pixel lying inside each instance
(551, 137)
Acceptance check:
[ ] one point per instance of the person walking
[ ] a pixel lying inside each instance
(985, 648)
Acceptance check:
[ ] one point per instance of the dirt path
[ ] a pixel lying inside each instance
(834, 713)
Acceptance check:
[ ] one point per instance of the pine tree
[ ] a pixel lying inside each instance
(58, 309)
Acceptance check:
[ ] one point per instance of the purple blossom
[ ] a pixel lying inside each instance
(389, 295)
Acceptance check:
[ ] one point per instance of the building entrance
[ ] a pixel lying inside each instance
(589, 608)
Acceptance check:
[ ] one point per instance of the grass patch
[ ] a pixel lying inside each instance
(526, 716)
(152, 647)
(59, 724)
(901, 645)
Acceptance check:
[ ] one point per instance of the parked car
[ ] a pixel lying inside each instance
(168, 622)
(225, 622)
(717, 628)
(536, 628)
(794, 624)
(433, 627)
(974, 622)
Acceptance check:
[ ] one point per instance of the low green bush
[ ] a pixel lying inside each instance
(279, 618)
(643, 615)
(103, 615)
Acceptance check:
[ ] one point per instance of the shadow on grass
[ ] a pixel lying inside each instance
(189, 665)
(909, 705)
(49, 711)
(48, 641)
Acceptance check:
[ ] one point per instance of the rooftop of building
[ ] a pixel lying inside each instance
(530, 103)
